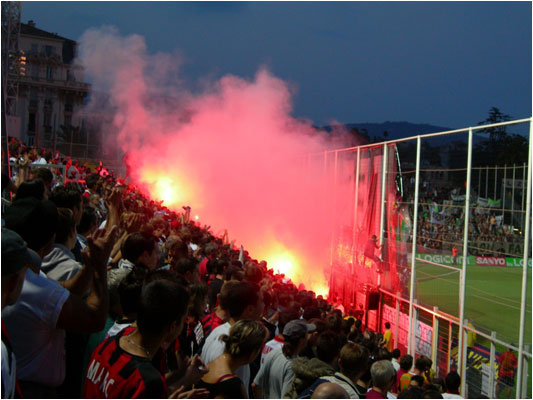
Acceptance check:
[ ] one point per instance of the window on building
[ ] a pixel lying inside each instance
(68, 120)
(47, 122)
(34, 48)
(31, 122)
(49, 50)
(35, 71)
(49, 72)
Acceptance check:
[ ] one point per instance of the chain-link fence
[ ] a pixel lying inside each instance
(432, 234)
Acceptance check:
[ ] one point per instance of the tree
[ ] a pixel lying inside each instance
(497, 136)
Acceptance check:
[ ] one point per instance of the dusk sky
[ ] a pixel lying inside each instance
(442, 63)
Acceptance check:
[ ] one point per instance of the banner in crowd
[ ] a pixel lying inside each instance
(518, 183)
(437, 218)
(508, 248)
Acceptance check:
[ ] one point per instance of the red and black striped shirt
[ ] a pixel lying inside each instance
(210, 322)
(115, 373)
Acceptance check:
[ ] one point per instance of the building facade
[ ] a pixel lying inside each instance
(51, 90)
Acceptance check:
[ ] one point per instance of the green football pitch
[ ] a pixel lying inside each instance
(493, 297)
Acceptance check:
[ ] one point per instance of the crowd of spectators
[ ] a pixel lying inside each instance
(107, 293)
(441, 222)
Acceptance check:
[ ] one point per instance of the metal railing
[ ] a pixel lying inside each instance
(459, 322)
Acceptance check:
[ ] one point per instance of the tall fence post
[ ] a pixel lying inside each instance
(461, 357)
(413, 251)
(495, 182)
(504, 192)
(333, 208)
(492, 360)
(397, 321)
(356, 205)
(525, 268)
(415, 323)
(450, 339)
(525, 373)
(487, 183)
(479, 182)
(435, 338)
(523, 197)
(383, 200)
(512, 196)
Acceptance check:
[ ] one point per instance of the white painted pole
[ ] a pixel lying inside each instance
(504, 192)
(410, 349)
(512, 196)
(461, 356)
(450, 338)
(397, 321)
(487, 183)
(492, 360)
(523, 197)
(524, 269)
(333, 208)
(356, 205)
(479, 182)
(435, 337)
(495, 182)
(383, 200)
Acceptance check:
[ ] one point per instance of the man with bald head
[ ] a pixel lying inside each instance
(329, 390)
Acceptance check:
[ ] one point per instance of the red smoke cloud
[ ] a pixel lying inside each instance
(233, 153)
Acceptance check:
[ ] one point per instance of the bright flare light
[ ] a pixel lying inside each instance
(165, 191)
(283, 261)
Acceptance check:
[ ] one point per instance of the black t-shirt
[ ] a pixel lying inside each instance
(228, 389)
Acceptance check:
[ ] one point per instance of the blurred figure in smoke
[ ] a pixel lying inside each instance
(370, 247)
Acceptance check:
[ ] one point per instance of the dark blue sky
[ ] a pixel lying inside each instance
(443, 63)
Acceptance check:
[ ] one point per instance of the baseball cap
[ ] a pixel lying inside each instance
(297, 328)
(15, 253)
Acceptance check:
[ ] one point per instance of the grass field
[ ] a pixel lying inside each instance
(493, 296)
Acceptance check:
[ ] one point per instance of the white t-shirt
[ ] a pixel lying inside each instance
(276, 343)
(213, 347)
(31, 323)
(275, 375)
(9, 372)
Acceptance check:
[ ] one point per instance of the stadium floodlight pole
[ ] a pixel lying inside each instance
(356, 203)
(410, 349)
(461, 355)
(383, 199)
(525, 268)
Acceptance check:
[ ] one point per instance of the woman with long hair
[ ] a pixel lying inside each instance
(243, 344)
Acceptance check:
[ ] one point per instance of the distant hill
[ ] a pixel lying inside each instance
(395, 130)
